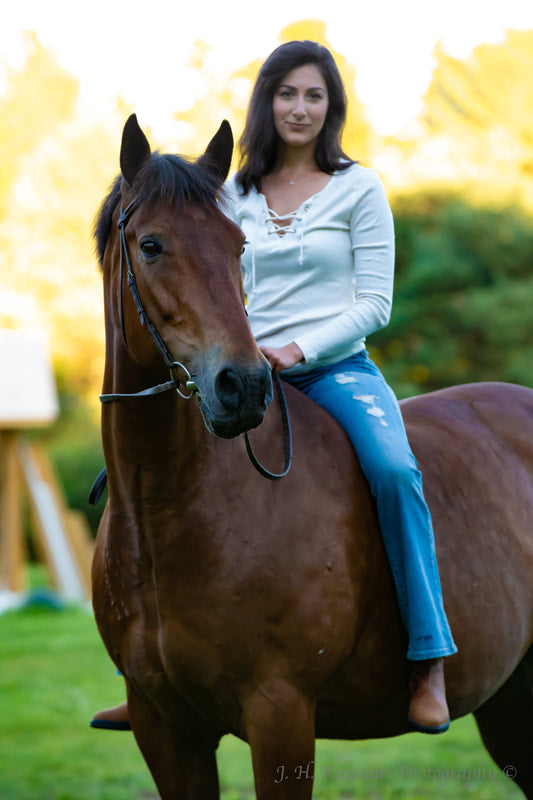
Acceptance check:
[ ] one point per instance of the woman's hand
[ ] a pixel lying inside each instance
(281, 358)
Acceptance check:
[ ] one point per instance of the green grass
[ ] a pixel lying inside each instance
(54, 673)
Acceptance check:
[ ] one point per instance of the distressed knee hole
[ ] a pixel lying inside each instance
(373, 410)
(345, 377)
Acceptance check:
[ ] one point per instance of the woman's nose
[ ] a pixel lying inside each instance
(299, 108)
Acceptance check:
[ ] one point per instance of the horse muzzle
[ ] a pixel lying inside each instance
(236, 399)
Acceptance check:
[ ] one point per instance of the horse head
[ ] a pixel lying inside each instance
(161, 233)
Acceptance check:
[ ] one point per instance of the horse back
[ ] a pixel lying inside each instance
(474, 447)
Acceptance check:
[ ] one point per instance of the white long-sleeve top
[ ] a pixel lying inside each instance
(325, 281)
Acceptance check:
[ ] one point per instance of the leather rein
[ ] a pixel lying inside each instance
(190, 385)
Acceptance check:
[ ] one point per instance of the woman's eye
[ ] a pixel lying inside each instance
(150, 248)
(244, 247)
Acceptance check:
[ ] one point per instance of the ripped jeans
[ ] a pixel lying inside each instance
(356, 394)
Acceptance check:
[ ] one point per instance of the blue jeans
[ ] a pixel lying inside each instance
(355, 393)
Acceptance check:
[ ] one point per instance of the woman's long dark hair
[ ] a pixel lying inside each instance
(259, 142)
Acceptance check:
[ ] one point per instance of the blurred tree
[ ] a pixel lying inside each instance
(54, 176)
(39, 97)
(480, 109)
(491, 91)
(475, 133)
(51, 212)
(226, 97)
(463, 295)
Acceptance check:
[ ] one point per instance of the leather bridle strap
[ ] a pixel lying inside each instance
(124, 217)
(123, 220)
(287, 436)
(159, 389)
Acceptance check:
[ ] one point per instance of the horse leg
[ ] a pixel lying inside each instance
(280, 728)
(183, 768)
(505, 723)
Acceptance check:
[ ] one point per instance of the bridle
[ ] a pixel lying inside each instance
(124, 217)
(190, 385)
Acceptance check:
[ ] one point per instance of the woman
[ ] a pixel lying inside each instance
(318, 275)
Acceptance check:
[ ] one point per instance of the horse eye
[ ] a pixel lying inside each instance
(150, 248)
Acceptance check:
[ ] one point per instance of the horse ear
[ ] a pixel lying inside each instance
(217, 157)
(134, 150)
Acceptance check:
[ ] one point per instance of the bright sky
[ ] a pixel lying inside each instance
(140, 50)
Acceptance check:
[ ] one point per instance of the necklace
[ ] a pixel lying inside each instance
(293, 181)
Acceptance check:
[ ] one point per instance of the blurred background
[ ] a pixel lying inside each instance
(441, 105)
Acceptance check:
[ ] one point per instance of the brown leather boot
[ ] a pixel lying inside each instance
(428, 710)
(113, 719)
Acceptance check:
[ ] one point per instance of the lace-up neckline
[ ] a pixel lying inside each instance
(282, 223)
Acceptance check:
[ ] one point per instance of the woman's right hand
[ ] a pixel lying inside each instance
(281, 358)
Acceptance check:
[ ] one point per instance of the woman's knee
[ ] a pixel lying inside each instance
(398, 474)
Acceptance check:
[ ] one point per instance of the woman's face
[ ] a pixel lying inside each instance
(300, 105)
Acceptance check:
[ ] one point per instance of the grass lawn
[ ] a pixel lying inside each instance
(54, 673)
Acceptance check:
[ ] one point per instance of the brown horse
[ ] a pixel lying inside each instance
(266, 609)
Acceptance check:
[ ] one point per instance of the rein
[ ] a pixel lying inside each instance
(287, 436)
(190, 385)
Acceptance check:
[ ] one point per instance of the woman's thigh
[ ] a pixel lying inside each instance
(356, 394)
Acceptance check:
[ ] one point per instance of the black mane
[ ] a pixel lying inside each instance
(164, 178)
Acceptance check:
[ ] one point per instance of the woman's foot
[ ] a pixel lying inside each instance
(428, 710)
(113, 719)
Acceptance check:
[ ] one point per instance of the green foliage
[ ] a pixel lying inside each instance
(75, 448)
(463, 295)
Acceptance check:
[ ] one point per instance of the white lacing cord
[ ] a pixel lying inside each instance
(278, 229)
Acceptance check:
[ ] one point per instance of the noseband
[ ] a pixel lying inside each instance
(190, 385)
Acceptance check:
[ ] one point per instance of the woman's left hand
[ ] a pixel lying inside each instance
(281, 358)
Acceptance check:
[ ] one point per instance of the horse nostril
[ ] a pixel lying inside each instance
(229, 388)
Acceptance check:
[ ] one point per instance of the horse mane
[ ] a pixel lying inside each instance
(164, 178)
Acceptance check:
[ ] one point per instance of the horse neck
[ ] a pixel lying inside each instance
(150, 442)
